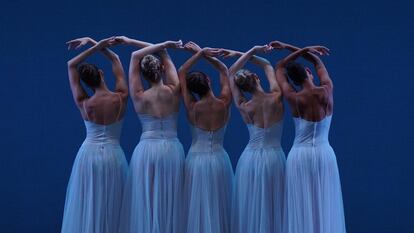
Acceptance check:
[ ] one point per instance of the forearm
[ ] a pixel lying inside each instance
(292, 57)
(315, 60)
(254, 59)
(260, 61)
(190, 62)
(107, 52)
(74, 62)
(137, 43)
(241, 62)
(137, 55)
(217, 64)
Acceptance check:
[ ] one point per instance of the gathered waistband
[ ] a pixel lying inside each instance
(259, 146)
(101, 141)
(311, 144)
(201, 148)
(158, 134)
(159, 138)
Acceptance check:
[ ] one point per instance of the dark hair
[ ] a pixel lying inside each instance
(197, 82)
(245, 80)
(151, 68)
(89, 74)
(296, 72)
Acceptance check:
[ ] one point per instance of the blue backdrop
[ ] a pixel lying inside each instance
(371, 45)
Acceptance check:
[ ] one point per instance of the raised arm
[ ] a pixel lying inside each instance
(260, 61)
(133, 42)
(314, 59)
(79, 94)
(188, 97)
(117, 68)
(208, 54)
(171, 76)
(135, 83)
(281, 70)
(225, 93)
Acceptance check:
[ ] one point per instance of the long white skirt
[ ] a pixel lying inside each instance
(259, 191)
(314, 197)
(208, 189)
(94, 193)
(153, 193)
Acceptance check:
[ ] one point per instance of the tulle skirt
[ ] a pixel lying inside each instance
(314, 197)
(94, 193)
(208, 188)
(259, 191)
(153, 193)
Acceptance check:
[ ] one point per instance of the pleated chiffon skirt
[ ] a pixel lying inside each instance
(153, 192)
(258, 198)
(95, 189)
(313, 197)
(208, 189)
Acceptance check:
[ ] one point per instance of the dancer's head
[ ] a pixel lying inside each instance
(198, 82)
(151, 68)
(90, 75)
(246, 81)
(298, 73)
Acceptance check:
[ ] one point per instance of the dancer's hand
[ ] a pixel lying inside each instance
(78, 43)
(226, 53)
(173, 44)
(192, 47)
(262, 48)
(319, 50)
(121, 39)
(107, 42)
(211, 52)
(277, 45)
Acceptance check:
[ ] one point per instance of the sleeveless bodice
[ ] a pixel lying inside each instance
(312, 133)
(97, 133)
(158, 127)
(207, 141)
(265, 137)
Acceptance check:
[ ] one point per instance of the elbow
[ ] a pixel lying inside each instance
(115, 57)
(225, 73)
(135, 55)
(232, 71)
(266, 63)
(181, 71)
(280, 65)
(71, 64)
(268, 68)
(224, 70)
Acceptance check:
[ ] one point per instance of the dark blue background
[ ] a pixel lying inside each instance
(371, 45)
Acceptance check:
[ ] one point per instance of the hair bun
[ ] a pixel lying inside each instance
(151, 68)
(245, 80)
(89, 74)
(197, 82)
(296, 72)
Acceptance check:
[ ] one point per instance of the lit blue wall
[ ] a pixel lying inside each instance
(371, 46)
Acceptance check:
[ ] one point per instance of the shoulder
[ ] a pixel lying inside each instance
(294, 96)
(167, 92)
(274, 96)
(120, 95)
(322, 91)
